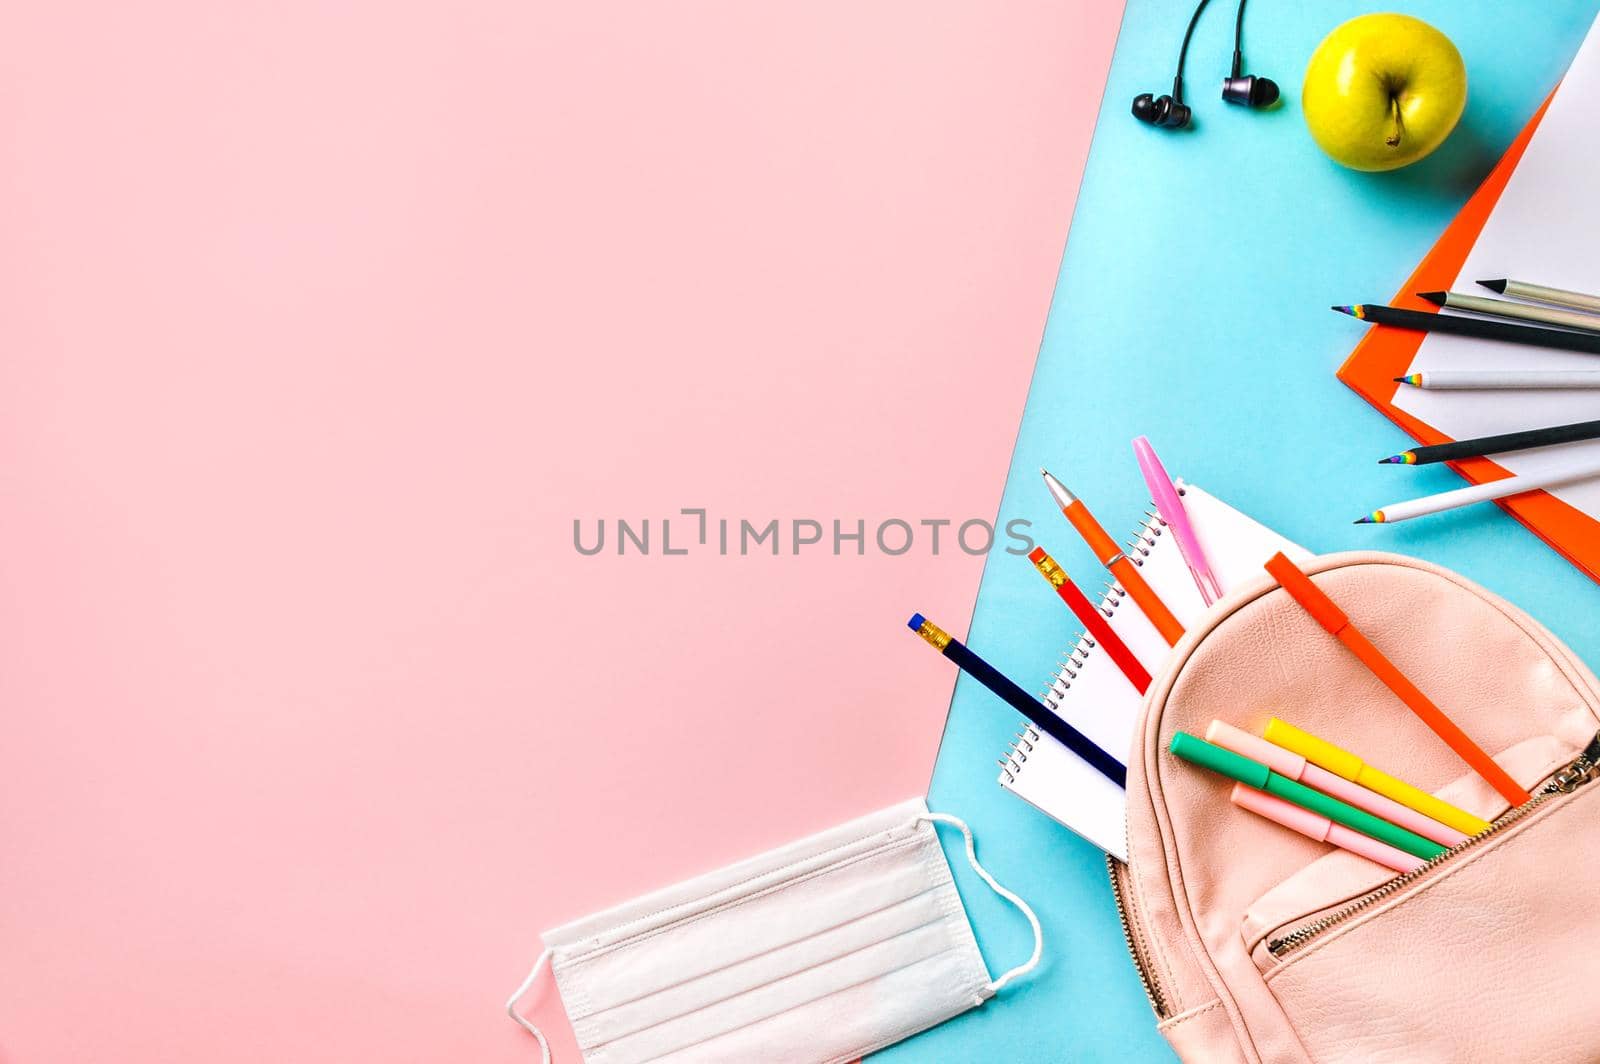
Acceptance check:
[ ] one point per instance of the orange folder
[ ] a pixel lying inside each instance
(1385, 353)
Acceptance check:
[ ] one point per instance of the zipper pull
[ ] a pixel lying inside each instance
(1583, 769)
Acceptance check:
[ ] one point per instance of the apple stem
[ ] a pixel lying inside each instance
(1393, 139)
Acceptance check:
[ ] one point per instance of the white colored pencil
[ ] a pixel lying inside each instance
(1559, 297)
(1505, 308)
(1494, 489)
(1467, 380)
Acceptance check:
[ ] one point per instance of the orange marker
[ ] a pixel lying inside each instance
(1105, 548)
(1330, 616)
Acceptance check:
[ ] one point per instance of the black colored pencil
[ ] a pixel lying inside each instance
(1020, 700)
(1378, 314)
(1509, 441)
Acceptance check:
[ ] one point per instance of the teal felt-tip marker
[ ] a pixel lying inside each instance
(1252, 773)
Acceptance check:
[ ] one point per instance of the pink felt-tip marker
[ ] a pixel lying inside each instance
(1290, 764)
(1322, 829)
(1170, 505)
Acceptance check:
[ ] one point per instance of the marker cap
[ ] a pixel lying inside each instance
(1317, 751)
(1208, 755)
(1283, 762)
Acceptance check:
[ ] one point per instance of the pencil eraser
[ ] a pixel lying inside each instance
(916, 622)
(1036, 555)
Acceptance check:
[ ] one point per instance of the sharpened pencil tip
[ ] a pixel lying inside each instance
(1362, 521)
(1402, 380)
(1393, 459)
(1496, 285)
(1436, 298)
(1346, 310)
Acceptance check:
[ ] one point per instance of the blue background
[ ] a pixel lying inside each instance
(1192, 306)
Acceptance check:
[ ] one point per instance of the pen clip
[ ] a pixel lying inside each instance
(1209, 590)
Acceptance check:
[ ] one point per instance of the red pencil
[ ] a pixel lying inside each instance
(1327, 613)
(1092, 619)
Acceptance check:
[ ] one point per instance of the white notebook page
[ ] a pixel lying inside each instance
(1099, 701)
(1544, 230)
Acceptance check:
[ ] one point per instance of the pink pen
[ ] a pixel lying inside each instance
(1290, 764)
(1170, 506)
(1322, 829)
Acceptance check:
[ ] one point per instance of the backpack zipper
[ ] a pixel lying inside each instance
(1147, 978)
(1584, 768)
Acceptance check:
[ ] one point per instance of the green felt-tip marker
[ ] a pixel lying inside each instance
(1197, 751)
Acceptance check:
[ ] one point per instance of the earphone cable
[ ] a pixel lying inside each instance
(1183, 53)
(1238, 38)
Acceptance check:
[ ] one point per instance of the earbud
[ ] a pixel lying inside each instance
(1161, 111)
(1247, 89)
(1250, 91)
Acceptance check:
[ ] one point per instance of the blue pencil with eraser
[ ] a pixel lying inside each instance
(1036, 711)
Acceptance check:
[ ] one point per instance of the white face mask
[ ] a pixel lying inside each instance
(822, 950)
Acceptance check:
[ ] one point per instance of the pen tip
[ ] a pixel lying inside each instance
(1496, 285)
(1436, 298)
(916, 622)
(1058, 490)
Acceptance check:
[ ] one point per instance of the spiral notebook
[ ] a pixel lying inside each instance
(1091, 693)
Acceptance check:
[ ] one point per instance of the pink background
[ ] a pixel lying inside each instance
(322, 321)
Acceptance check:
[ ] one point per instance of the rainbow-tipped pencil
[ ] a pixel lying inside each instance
(1507, 441)
(1480, 328)
(1471, 380)
(1567, 473)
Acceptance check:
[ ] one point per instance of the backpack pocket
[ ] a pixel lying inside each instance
(1339, 879)
(1482, 954)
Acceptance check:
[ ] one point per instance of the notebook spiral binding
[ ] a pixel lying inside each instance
(1137, 549)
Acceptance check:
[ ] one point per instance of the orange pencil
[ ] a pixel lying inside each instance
(1324, 611)
(1105, 548)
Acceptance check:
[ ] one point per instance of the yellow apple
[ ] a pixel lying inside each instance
(1383, 91)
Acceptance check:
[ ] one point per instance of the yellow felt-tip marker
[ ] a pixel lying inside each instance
(1343, 763)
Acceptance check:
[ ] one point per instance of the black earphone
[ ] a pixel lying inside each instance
(1170, 112)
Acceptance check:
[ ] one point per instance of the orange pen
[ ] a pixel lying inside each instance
(1326, 613)
(1105, 548)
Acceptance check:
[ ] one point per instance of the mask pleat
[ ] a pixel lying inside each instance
(859, 936)
(820, 951)
(695, 1036)
(782, 915)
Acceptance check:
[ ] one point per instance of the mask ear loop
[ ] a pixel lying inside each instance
(1023, 907)
(511, 1005)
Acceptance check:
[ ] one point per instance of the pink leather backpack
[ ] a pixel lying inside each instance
(1257, 944)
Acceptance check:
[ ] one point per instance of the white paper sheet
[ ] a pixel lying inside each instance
(1544, 230)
